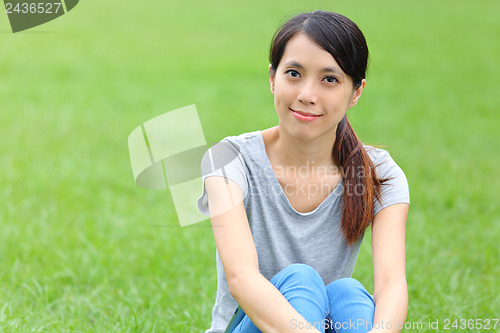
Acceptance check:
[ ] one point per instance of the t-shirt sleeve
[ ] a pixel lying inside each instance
(395, 190)
(224, 159)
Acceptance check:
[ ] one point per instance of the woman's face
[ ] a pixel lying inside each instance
(311, 93)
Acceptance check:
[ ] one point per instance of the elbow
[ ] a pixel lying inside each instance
(239, 282)
(391, 281)
(234, 287)
(396, 287)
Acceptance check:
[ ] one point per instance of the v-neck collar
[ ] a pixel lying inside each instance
(272, 176)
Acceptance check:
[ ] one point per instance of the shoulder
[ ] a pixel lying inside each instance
(384, 163)
(395, 189)
(231, 150)
(377, 155)
(225, 159)
(241, 142)
(235, 146)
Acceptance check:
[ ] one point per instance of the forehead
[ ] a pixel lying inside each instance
(301, 49)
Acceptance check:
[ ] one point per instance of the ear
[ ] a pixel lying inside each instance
(272, 75)
(357, 93)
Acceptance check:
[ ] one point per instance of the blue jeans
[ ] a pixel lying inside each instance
(343, 306)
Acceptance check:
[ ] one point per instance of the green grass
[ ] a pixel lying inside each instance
(83, 249)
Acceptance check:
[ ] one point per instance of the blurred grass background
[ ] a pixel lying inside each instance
(83, 249)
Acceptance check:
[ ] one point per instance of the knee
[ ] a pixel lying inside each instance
(301, 281)
(345, 283)
(346, 287)
(299, 272)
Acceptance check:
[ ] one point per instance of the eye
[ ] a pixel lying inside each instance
(292, 73)
(331, 79)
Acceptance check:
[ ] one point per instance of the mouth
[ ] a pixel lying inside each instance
(305, 116)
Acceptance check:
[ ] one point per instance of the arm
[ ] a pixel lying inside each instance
(389, 268)
(260, 299)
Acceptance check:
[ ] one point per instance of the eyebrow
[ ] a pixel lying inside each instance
(298, 65)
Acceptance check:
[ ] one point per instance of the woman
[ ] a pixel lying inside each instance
(289, 205)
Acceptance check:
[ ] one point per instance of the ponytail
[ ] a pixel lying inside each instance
(361, 184)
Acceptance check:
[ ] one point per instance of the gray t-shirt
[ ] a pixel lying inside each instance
(282, 235)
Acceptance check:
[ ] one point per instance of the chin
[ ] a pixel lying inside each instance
(298, 132)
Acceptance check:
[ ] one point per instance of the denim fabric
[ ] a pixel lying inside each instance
(343, 306)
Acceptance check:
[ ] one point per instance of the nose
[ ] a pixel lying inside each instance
(307, 94)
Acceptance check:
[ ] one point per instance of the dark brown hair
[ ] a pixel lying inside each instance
(342, 38)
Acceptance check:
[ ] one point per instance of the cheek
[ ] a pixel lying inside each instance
(338, 102)
(283, 94)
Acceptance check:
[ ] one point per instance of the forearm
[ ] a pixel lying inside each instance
(391, 307)
(266, 306)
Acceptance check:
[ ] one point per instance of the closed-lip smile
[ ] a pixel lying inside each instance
(305, 113)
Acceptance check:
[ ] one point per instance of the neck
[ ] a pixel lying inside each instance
(310, 154)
